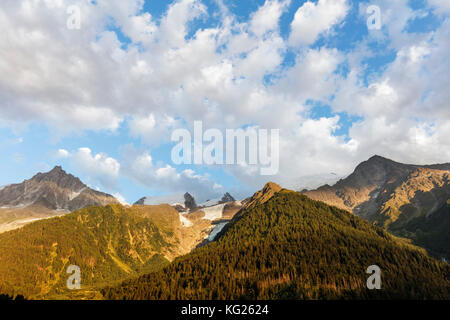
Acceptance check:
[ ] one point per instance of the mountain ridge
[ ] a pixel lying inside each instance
(388, 193)
(56, 190)
(46, 195)
(292, 247)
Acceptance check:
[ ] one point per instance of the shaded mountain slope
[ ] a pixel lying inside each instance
(372, 178)
(390, 194)
(293, 247)
(431, 232)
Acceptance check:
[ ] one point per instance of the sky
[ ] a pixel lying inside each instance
(103, 100)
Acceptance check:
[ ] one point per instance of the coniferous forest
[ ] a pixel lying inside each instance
(107, 243)
(291, 247)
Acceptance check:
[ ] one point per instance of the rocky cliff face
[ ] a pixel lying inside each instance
(54, 190)
(385, 192)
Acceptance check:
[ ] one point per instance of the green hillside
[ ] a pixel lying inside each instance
(109, 244)
(292, 247)
(432, 232)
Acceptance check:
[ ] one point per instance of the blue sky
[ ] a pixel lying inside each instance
(338, 96)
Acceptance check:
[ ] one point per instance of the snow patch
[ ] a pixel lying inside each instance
(213, 213)
(75, 195)
(219, 227)
(210, 203)
(185, 221)
(177, 204)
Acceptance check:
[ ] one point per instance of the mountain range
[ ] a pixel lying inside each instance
(108, 241)
(46, 195)
(54, 190)
(392, 195)
(277, 244)
(283, 245)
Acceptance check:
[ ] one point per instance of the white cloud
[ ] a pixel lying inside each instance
(313, 19)
(266, 18)
(174, 23)
(138, 165)
(62, 154)
(89, 80)
(99, 168)
(152, 130)
(441, 6)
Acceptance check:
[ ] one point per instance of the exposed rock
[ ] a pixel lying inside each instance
(179, 208)
(227, 198)
(54, 190)
(140, 202)
(189, 201)
(384, 191)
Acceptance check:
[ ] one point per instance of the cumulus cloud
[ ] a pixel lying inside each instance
(99, 168)
(138, 165)
(313, 19)
(266, 18)
(170, 75)
(441, 6)
(62, 154)
(153, 130)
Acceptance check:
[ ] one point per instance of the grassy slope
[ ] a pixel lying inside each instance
(293, 247)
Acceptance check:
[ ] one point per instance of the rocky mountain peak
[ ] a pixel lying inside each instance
(375, 172)
(227, 198)
(61, 178)
(378, 162)
(140, 202)
(54, 190)
(189, 201)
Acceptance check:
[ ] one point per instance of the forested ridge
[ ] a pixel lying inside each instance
(108, 243)
(292, 247)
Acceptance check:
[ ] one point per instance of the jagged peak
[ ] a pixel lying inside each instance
(140, 202)
(58, 169)
(58, 175)
(227, 197)
(189, 201)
